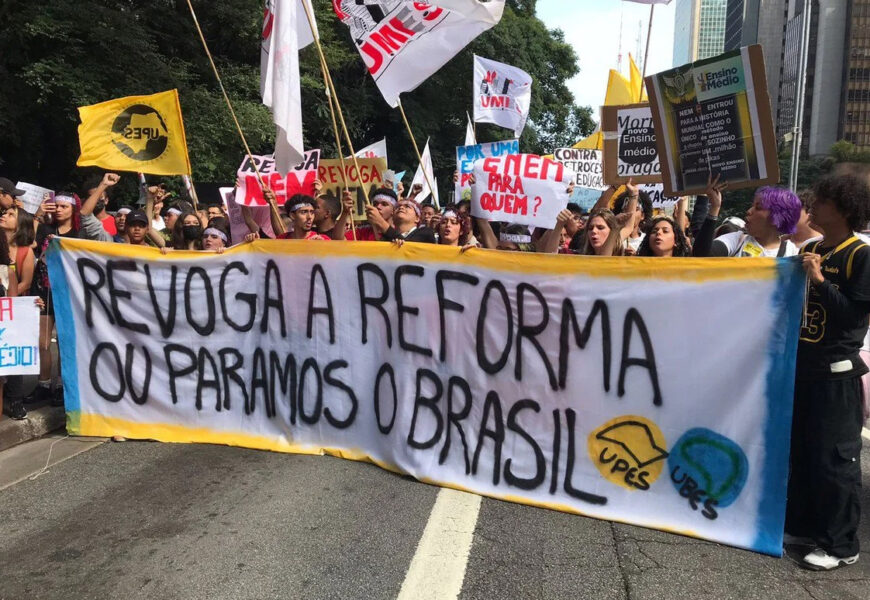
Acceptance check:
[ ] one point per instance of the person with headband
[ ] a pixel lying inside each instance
(406, 225)
(453, 228)
(773, 216)
(215, 238)
(300, 208)
(379, 214)
(121, 225)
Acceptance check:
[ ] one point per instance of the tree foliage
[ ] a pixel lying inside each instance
(59, 55)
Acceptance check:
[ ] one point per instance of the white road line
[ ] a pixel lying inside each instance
(866, 433)
(438, 567)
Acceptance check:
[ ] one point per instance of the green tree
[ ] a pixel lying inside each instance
(60, 55)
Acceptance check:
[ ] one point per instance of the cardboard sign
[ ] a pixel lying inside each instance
(659, 199)
(520, 188)
(585, 164)
(370, 175)
(33, 196)
(467, 155)
(533, 378)
(712, 117)
(630, 150)
(299, 179)
(19, 335)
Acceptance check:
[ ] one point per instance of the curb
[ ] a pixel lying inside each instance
(39, 422)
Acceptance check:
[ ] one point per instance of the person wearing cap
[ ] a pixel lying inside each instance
(406, 225)
(137, 228)
(300, 208)
(8, 194)
(379, 214)
(773, 217)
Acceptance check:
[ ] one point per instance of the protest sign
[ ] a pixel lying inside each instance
(656, 193)
(298, 180)
(588, 182)
(559, 383)
(713, 117)
(33, 196)
(19, 335)
(466, 155)
(371, 175)
(261, 216)
(630, 145)
(520, 188)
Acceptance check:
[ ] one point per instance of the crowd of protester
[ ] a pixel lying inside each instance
(822, 225)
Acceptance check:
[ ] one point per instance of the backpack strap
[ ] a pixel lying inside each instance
(783, 247)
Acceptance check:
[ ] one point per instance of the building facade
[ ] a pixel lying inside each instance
(699, 29)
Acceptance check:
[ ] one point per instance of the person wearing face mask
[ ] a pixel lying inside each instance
(100, 213)
(187, 233)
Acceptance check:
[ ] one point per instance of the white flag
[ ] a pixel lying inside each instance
(420, 178)
(376, 150)
(470, 139)
(404, 43)
(502, 94)
(285, 31)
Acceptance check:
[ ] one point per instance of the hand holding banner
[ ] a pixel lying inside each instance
(520, 188)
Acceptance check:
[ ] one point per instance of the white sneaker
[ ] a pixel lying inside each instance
(796, 540)
(819, 560)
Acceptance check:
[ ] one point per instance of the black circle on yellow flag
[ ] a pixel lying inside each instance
(140, 133)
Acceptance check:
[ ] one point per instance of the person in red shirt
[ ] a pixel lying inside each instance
(379, 212)
(301, 210)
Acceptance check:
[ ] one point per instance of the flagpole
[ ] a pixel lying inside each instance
(419, 156)
(332, 91)
(652, 8)
(272, 205)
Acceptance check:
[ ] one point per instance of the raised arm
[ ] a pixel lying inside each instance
(109, 179)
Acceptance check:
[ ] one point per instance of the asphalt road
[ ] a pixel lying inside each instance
(149, 520)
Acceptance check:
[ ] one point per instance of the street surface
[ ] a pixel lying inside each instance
(149, 520)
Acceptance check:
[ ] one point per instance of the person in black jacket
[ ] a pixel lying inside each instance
(406, 225)
(824, 509)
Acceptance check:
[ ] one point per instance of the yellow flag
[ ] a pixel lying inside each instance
(638, 92)
(618, 92)
(143, 134)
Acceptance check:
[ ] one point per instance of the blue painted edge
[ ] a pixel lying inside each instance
(788, 301)
(66, 329)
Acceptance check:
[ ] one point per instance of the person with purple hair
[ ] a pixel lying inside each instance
(774, 214)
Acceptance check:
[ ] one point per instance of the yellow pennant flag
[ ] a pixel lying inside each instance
(618, 92)
(143, 134)
(638, 92)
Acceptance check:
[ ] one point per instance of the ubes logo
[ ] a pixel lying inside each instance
(140, 133)
(718, 79)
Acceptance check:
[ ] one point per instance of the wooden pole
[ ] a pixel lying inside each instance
(419, 156)
(272, 205)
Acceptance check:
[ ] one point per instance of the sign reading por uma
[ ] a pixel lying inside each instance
(536, 379)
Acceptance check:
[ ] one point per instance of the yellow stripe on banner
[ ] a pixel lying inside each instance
(92, 425)
(671, 269)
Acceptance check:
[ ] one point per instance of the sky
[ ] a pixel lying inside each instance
(592, 28)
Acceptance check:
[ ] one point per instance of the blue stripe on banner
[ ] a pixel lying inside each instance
(788, 301)
(66, 326)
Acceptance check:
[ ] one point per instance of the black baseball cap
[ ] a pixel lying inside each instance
(137, 216)
(9, 187)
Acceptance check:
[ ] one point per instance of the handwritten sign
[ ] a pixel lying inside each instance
(520, 188)
(299, 179)
(536, 378)
(467, 155)
(370, 176)
(19, 336)
(33, 196)
(630, 145)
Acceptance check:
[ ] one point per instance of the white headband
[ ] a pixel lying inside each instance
(450, 214)
(64, 200)
(299, 205)
(217, 232)
(516, 238)
(384, 197)
(173, 211)
(123, 211)
(413, 205)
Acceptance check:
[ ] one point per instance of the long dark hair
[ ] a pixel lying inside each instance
(681, 243)
(178, 241)
(24, 232)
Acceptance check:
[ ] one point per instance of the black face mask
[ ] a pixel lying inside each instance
(191, 232)
(100, 207)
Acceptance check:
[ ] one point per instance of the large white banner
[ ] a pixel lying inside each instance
(549, 380)
(520, 188)
(502, 94)
(404, 43)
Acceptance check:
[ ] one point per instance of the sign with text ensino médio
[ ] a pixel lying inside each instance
(542, 379)
(630, 145)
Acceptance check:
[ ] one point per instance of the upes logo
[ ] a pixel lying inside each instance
(140, 133)
(718, 79)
